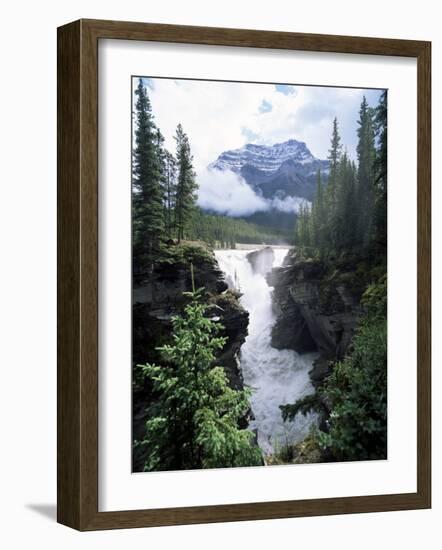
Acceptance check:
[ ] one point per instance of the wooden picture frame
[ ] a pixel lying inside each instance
(78, 274)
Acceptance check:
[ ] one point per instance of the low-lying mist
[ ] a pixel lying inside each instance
(228, 193)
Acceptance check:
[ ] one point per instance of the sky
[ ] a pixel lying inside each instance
(218, 116)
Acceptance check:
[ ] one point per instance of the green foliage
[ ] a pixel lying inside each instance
(186, 253)
(380, 203)
(194, 420)
(163, 187)
(224, 232)
(334, 158)
(306, 451)
(318, 217)
(304, 405)
(366, 176)
(170, 191)
(309, 450)
(147, 201)
(355, 393)
(186, 186)
(374, 299)
(349, 212)
(304, 229)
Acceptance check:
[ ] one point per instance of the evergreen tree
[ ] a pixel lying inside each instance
(186, 184)
(380, 214)
(319, 216)
(147, 201)
(345, 215)
(303, 228)
(354, 395)
(195, 420)
(350, 216)
(366, 159)
(213, 229)
(170, 187)
(334, 157)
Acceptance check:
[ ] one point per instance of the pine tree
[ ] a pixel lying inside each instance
(195, 421)
(186, 185)
(147, 192)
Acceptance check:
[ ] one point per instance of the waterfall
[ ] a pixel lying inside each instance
(276, 377)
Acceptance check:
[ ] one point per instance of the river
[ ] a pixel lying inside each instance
(276, 376)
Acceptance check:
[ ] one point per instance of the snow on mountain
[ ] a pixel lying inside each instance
(265, 158)
(282, 170)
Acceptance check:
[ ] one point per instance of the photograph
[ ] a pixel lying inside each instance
(259, 274)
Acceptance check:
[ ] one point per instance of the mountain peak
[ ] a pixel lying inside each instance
(286, 169)
(266, 158)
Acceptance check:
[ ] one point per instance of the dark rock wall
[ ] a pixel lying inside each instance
(157, 297)
(317, 308)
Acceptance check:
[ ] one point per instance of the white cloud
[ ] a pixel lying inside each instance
(225, 115)
(218, 116)
(289, 204)
(227, 193)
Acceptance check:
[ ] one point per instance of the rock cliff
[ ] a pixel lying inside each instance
(317, 306)
(157, 296)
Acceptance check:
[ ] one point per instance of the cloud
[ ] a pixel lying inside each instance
(228, 193)
(308, 115)
(289, 204)
(219, 116)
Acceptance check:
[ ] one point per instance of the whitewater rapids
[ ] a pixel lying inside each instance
(277, 377)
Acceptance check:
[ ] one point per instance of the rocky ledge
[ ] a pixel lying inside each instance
(317, 307)
(158, 296)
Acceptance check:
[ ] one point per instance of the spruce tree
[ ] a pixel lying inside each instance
(334, 158)
(195, 421)
(147, 192)
(170, 188)
(303, 229)
(186, 184)
(319, 216)
(366, 159)
(380, 214)
(346, 205)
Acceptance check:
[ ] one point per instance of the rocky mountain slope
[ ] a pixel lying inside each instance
(285, 169)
